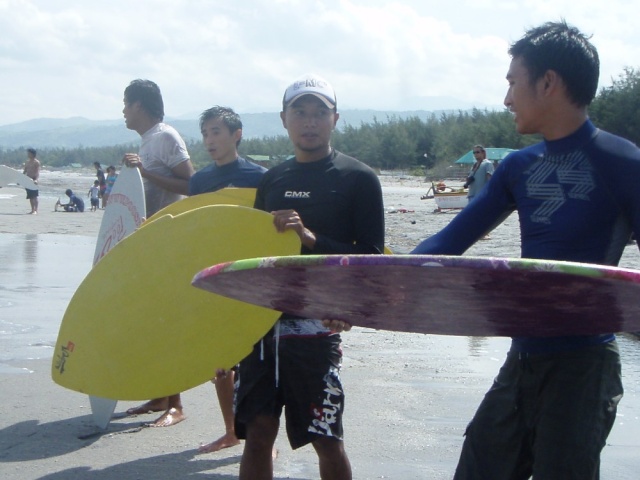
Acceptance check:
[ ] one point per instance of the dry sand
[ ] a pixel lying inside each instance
(408, 396)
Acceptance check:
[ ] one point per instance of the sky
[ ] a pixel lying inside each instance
(64, 58)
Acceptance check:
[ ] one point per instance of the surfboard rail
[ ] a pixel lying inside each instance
(449, 295)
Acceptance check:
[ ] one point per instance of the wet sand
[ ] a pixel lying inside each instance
(409, 397)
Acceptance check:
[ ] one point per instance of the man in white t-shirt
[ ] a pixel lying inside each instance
(166, 168)
(163, 159)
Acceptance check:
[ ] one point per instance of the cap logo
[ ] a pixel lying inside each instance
(310, 82)
(310, 85)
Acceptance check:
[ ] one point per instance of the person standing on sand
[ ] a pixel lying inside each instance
(334, 203)
(221, 129)
(554, 401)
(166, 168)
(101, 179)
(32, 170)
(480, 173)
(111, 178)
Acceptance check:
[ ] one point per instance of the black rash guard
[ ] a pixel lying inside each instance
(338, 198)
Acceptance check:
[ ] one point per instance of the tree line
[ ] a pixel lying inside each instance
(395, 143)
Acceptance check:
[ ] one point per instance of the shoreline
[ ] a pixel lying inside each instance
(14, 206)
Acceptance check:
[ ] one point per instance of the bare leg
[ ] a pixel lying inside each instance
(224, 390)
(155, 405)
(257, 458)
(173, 415)
(334, 463)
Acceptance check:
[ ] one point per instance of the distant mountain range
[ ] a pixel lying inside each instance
(78, 131)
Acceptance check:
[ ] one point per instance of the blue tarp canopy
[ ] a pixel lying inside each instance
(492, 154)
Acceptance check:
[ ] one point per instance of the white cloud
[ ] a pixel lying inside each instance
(65, 58)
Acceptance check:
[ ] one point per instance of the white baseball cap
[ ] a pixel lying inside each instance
(310, 84)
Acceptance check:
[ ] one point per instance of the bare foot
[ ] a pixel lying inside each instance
(156, 405)
(169, 418)
(225, 441)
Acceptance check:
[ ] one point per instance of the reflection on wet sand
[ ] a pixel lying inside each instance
(38, 276)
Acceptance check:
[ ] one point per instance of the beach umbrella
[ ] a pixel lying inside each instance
(493, 154)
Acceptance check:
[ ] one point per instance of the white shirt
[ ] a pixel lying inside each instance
(161, 150)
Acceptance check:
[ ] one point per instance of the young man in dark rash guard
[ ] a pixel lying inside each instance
(553, 403)
(221, 130)
(334, 203)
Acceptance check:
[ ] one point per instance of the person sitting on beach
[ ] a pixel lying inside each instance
(76, 204)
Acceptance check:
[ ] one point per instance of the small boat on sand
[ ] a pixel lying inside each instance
(447, 198)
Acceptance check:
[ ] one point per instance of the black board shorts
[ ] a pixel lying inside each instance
(546, 415)
(308, 385)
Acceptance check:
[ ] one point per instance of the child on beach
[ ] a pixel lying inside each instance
(94, 195)
(111, 179)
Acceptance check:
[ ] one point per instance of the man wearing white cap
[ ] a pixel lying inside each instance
(334, 203)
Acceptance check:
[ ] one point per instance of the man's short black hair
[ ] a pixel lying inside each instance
(148, 94)
(230, 118)
(565, 50)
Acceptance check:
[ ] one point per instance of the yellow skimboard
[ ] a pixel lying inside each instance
(151, 334)
(244, 197)
(225, 196)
